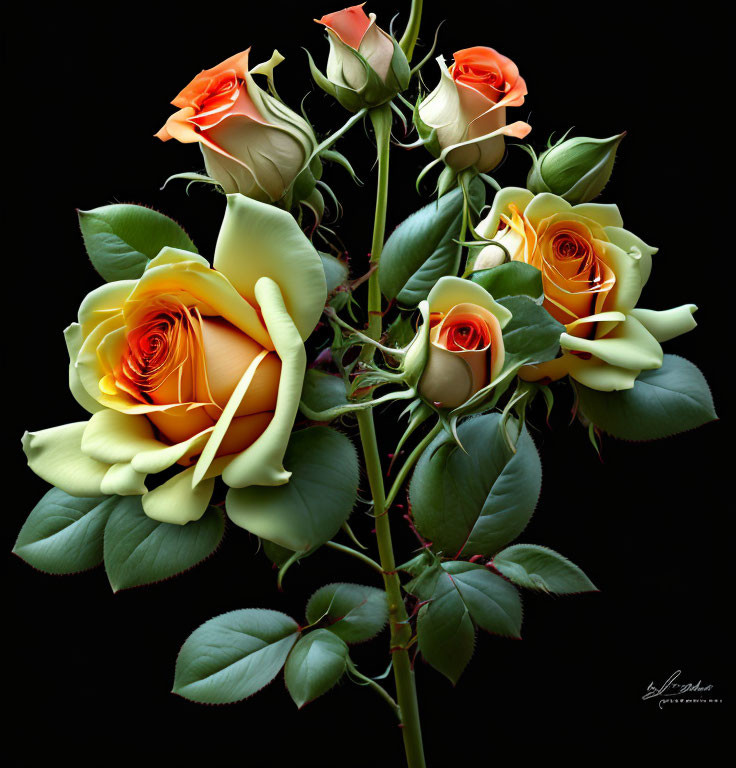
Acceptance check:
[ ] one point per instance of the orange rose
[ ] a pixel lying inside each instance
(251, 142)
(174, 354)
(593, 272)
(467, 110)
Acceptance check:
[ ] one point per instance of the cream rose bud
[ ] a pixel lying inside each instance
(464, 119)
(252, 143)
(365, 67)
(577, 169)
(460, 344)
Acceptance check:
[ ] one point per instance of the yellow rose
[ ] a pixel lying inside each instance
(190, 366)
(593, 273)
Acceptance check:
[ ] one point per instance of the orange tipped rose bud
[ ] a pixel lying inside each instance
(459, 349)
(366, 67)
(464, 118)
(252, 143)
(466, 350)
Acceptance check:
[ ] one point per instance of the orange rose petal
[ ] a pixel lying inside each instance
(190, 95)
(178, 127)
(241, 105)
(179, 424)
(243, 432)
(350, 24)
(227, 353)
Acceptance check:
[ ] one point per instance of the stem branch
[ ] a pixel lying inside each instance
(354, 553)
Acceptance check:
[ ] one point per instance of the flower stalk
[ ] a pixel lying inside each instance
(400, 629)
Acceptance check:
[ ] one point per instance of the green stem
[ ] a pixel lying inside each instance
(409, 38)
(381, 119)
(409, 464)
(399, 626)
(354, 553)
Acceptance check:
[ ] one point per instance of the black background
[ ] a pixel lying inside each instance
(89, 673)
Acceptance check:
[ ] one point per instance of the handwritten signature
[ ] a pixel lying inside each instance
(672, 688)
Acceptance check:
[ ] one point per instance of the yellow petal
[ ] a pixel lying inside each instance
(668, 323)
(176, 501)
(113, 437)
(56, 456)
(123, 480)
(449, 291)
(262, 462)
(73, 338)
(628, 345)
(159, 459)
(258, 240)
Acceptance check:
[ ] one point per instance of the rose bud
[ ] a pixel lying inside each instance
(464, 119)
(366, 67)
(252, 143)
(460, 341)
(576, 169)
(509, 236)
(190, 368)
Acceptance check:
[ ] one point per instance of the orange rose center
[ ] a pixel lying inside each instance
(465, 333)
(177, 357)
(576, 279)
(487, 78)
(569, 246)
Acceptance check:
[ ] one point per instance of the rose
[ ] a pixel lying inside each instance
(459, 349)
(593, 273)
(252, 143)
(190, 365)
(365, 67)
(464, 119)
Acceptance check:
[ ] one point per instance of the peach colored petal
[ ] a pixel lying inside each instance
(179, 127)
(350, 24)
(243, 432)
(238, 64)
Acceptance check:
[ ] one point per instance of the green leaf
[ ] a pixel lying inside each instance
(139, 550)
(317, 662)
(322, 391)
(336, 271)
(234, 655)
(309, 509)
(475, 501)
(422, 249)
(400, 332)
(460, 596)
(511, 279)
(542, 569)
(355, 613)
(63, 533)
(671, 399)
(532, 335)
(121, 239)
